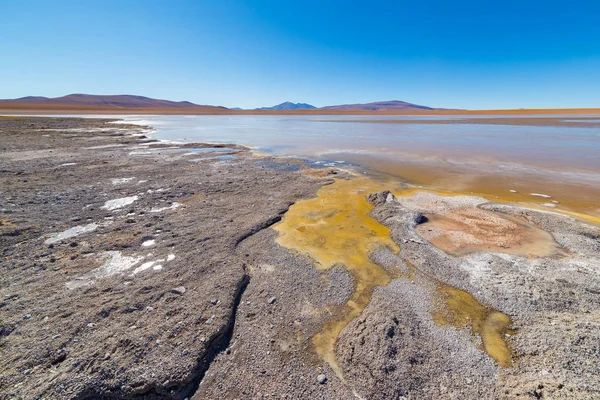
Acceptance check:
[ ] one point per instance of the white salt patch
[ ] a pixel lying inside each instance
(513, 191)
(157, 267)
(552, 205)
(68, 164)
(142, 182)
(116, 263)
(118, 203)
(171, 207)
(71, 232)
(149, 243)
(555, 202)
(170, 257)
(541, 195)
(143, 267)
(120, 181)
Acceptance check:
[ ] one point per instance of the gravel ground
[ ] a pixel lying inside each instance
(156, 283)
(137, 269)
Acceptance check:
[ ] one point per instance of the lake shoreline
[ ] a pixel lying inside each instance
(133, 267)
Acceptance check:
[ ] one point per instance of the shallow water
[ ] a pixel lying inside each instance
(545, 146)
(480, 158)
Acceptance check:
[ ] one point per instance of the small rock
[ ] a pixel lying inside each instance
(26, 316)
(75, 219)
(214, 302)
(149, 309)
(210, 320)
(178, 290)
(107, 356)
(322, 379)
(272, 300)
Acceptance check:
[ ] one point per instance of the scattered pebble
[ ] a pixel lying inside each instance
(272, 300)
(178, 290)
(322, 379)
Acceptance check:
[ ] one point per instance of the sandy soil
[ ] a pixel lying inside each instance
(137, 269)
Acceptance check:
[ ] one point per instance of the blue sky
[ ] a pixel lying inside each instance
(455, 54)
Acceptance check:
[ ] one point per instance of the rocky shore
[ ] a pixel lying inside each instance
(132, 268)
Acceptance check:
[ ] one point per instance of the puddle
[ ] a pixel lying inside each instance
(292, 166)
(105, 146)
(335, 228)
(71, 232)
(186, 150)
(460, 309)
(119, 203)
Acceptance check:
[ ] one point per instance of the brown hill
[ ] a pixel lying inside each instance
(103, 102)
(392, 105)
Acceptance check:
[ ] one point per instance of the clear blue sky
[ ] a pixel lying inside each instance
(457, 54)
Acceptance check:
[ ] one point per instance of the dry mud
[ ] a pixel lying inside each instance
(137, 269)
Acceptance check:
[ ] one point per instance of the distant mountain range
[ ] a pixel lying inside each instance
(392, 105)
(104, 101)
(288, 105)
(116, 102)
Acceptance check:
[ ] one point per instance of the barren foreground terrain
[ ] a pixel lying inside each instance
(132, 268)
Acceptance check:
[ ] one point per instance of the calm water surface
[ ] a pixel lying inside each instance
(486, 146)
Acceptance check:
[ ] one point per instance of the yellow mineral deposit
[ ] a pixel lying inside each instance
(335, 228)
